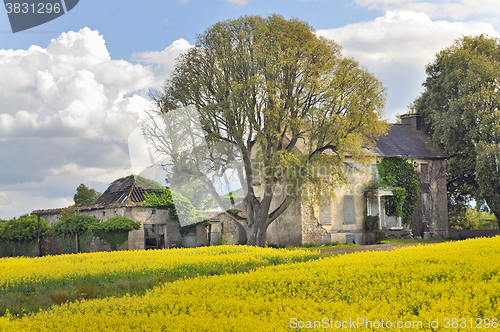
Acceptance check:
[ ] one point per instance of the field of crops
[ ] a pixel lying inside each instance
(20, 273)
(451, 286)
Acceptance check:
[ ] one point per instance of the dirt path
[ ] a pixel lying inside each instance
(374, 247)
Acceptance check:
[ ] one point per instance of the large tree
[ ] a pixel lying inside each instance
(460, 108)
(277, 104)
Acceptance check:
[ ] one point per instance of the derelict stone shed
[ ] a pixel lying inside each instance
(125, 197)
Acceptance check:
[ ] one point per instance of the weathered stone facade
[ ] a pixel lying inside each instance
(431, 217)
(223, 227)
(341, 218)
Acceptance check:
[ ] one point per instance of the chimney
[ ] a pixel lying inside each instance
(412, 118)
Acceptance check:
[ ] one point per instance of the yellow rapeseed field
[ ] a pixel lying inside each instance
(18, 273)
(451, 286)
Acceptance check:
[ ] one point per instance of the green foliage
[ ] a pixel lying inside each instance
(73, 225)
(117, 224)
(470, 218)
(394, 205)
(22, 229)
(115, 230)
(18, 236)
(178, 206)
(147, 183)
(397, 172)
(460, 108)
(379, 235)
(85, 196)
(67, 231)
(223, 240)
(67, 212)
(465, 218)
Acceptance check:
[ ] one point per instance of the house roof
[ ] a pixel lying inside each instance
(127, 191)
(407, 142)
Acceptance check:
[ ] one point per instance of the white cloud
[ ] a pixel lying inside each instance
(397, 46)
(67, 111)
(165, 60)
(454, 9)
(238, 2)
(74, 88)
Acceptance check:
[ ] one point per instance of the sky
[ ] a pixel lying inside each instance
(73, 89)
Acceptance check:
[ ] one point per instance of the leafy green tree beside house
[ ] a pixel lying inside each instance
(85, 196)
(460, 110)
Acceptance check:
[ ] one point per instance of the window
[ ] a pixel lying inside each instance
(325, 216)
(349, 215)
(424, 173)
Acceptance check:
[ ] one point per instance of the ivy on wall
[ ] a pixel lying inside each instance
(115, 230)
(164, 199)
(397, 172)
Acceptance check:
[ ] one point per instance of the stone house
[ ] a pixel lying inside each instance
(341, 218)
(124, 197)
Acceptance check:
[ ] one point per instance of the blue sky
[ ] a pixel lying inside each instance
(132, 26)
(73, 89)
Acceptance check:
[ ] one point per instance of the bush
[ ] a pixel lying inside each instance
(18, 236)
(22, 229)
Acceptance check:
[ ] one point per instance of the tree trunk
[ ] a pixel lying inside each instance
(497, 215)
(256, 236)
(256, 223)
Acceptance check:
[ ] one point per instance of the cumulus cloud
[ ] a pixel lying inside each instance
(67, 111)
(397, 46)
(164, 60)
(71, 88)
(454, 9)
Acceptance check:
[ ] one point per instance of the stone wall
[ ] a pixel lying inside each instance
(286, 230)
(312, 232)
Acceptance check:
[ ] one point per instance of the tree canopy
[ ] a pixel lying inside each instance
(85, 196)
(460, 108)
(269, 96)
